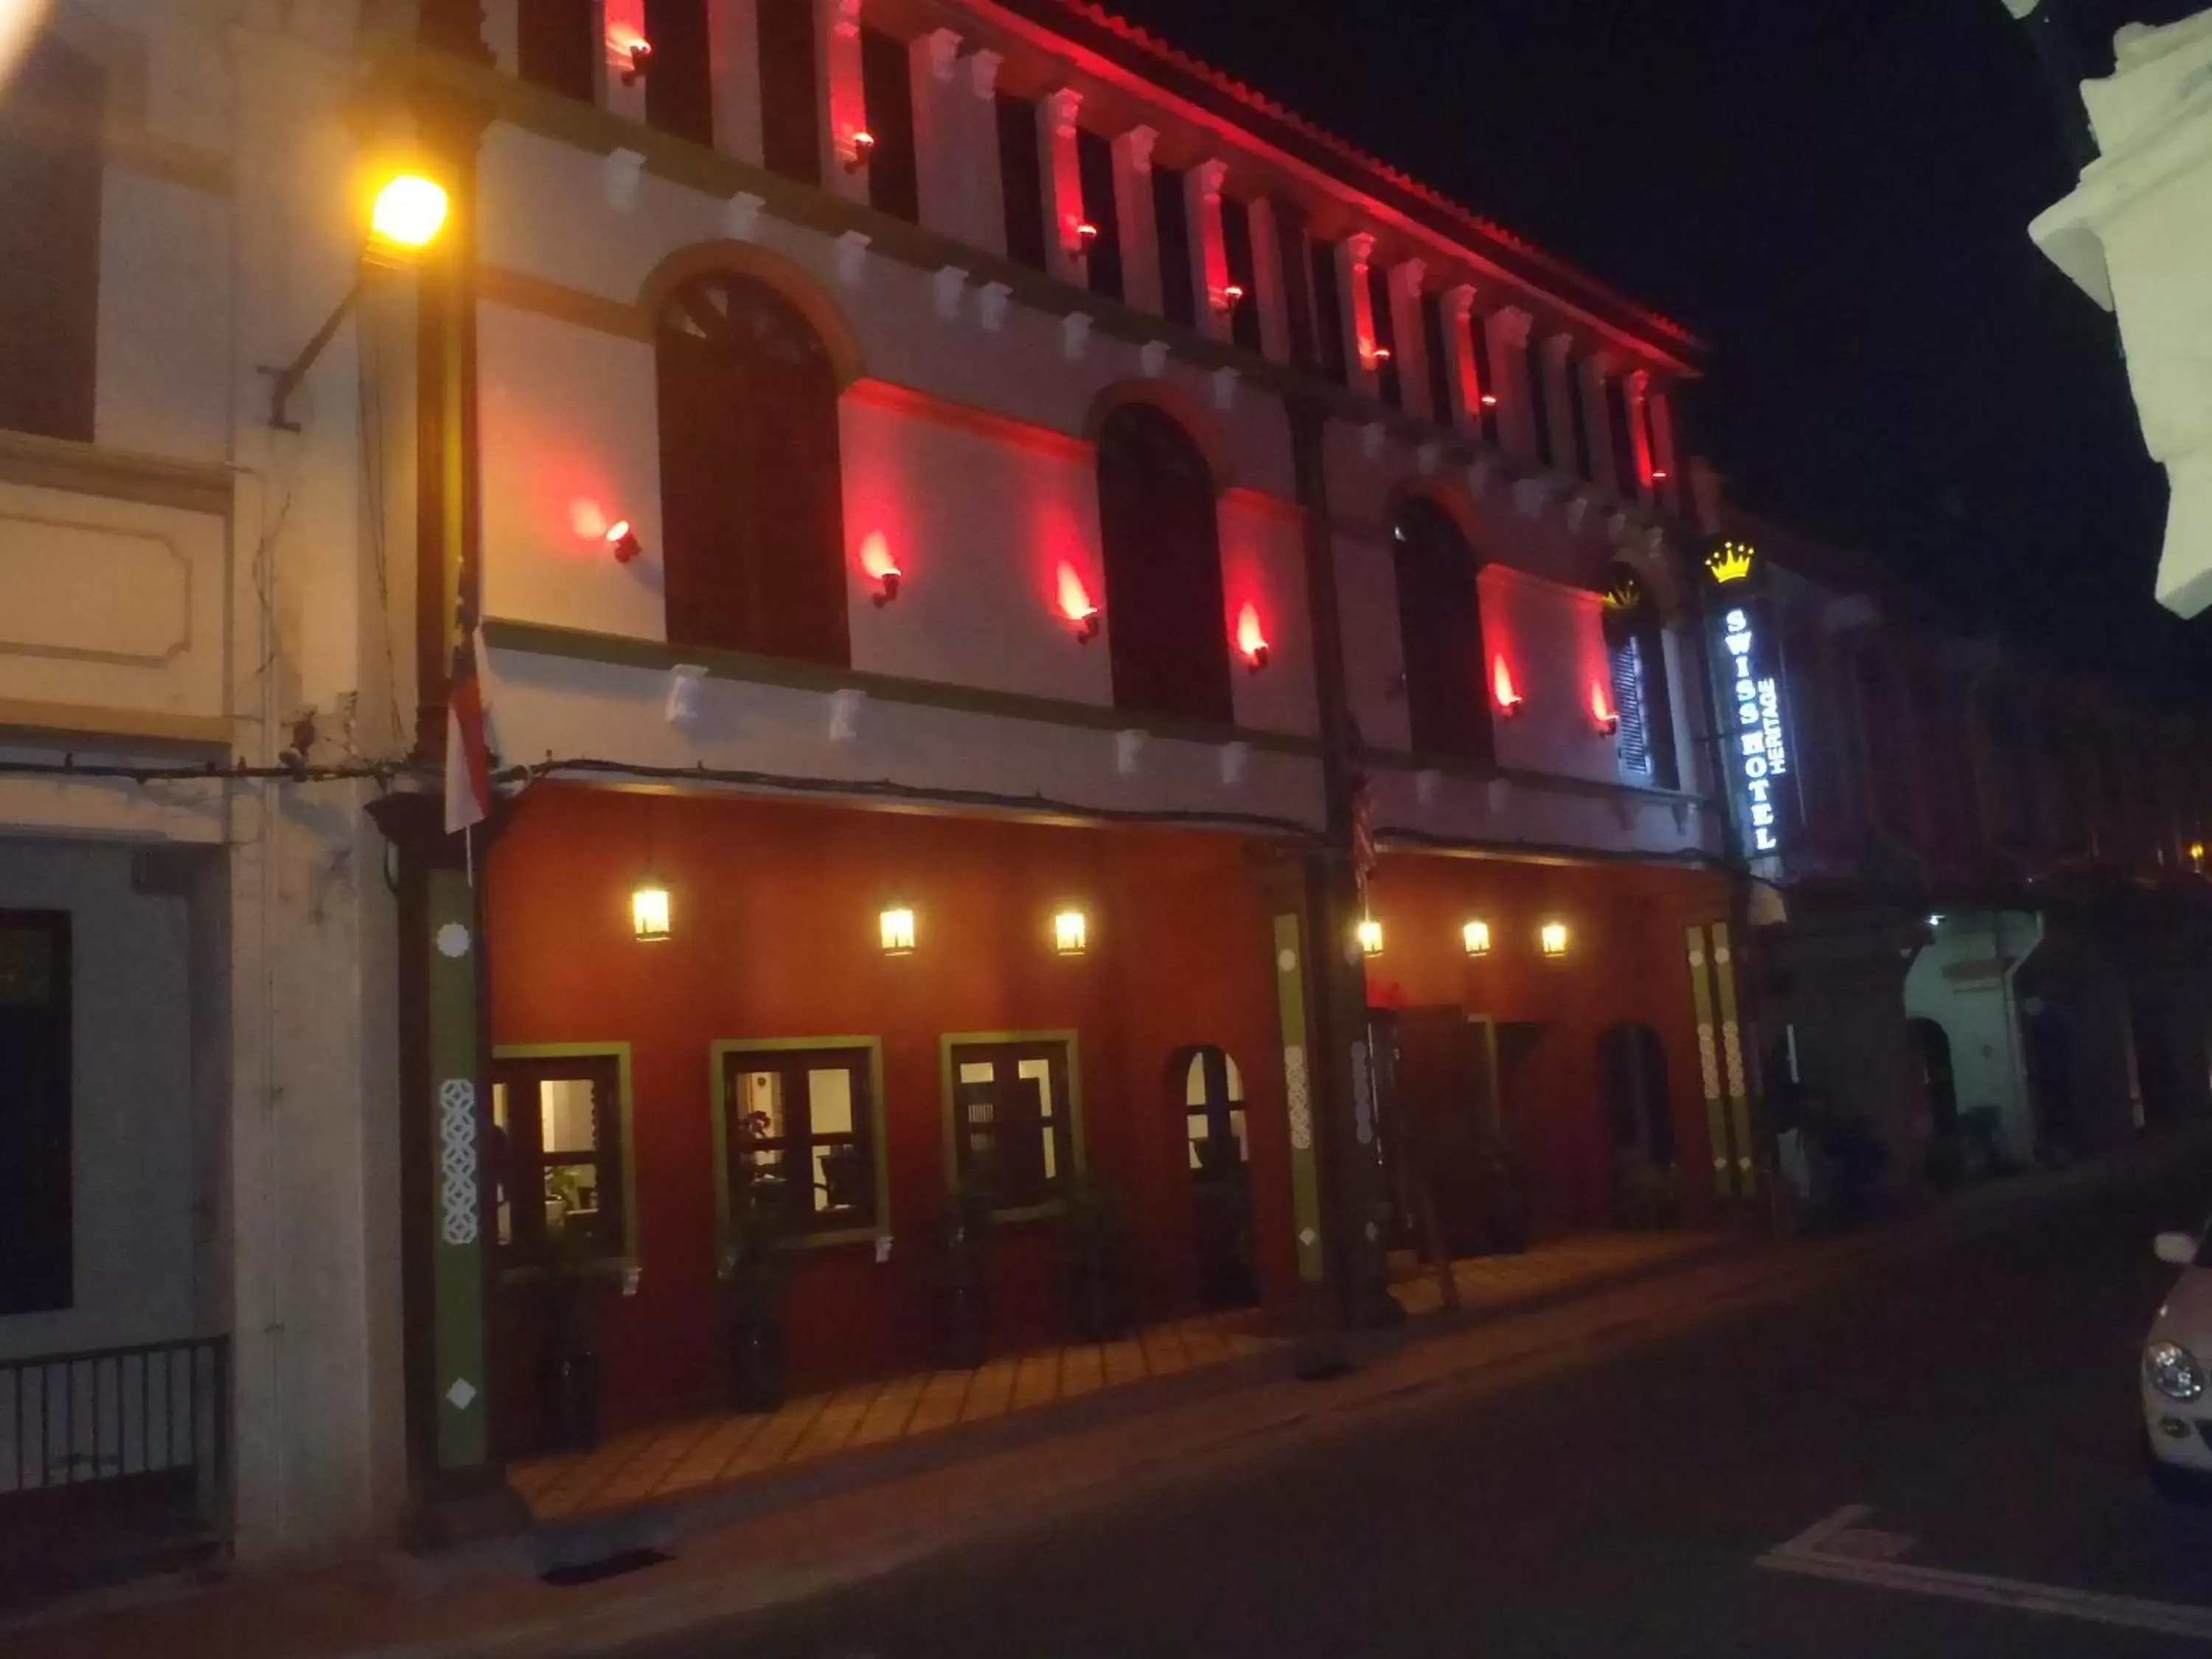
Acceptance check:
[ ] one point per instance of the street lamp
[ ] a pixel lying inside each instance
(408, 213)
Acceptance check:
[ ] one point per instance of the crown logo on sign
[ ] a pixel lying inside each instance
(1624, 596)
(1730, 562)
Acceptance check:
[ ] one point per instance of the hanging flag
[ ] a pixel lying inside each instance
(1363, 828)
(468, 749)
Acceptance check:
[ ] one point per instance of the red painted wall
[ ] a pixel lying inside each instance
(1628, 962)
(774, 908)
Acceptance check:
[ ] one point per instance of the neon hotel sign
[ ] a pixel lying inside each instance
(1759, 752)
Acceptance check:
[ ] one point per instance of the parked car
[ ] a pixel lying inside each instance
(2177, 1385)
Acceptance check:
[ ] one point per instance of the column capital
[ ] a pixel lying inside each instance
(1359, 247)
(1459, 301)
(1601, 361)
(1556, 346)
(943, 47)
(845, 16)
(1407, 275)
(1061, 106)
(1511, 325)
(983, 72)
(1208, 176)
(1136, 146)
(1638, 381)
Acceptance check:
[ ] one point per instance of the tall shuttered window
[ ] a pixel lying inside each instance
(1298, 287)
(1171, 217)
(679, 90)
(1328, 311)
(887, 83)
(1635, 649)
(1021, 172)
(51, 164)
(752, 497)
(1440, 364)
(1164, 594)
(1101, 211)
(557, 42)
(36, 1119)
(1440, 625)
(791, 100)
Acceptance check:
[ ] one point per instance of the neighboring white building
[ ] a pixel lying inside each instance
(2136, 236)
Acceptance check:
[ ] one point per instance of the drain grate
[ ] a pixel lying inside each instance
(608, 1566)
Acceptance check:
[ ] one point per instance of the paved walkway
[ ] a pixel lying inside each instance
(483, 1606)
(676, 1461)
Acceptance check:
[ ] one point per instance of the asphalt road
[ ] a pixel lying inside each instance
(1980, 1400)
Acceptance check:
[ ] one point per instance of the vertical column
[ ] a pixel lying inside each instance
(502, 33)
(940, 132)
(1507, 331)
(1352, 255)
(1597, 422)
(1267, 281)
(1411, 334)
(844, 98)
(1666, 476)
(1636, 389)
(1209, 254)
(987, 189)
(733, 51)
(1560, 402)
(621, 26)
(1063, 185)
(1463, 387)
(1341, 1067)
(1133, 210)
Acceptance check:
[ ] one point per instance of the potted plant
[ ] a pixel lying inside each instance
(968, 1220)
(1505, 1209)
(756, 1268)
(568, 1369)
(1095, 1230)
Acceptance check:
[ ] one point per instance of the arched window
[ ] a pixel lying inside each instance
(1213, 1105)
(751, 504)
(1635, 651)
(1440, 624)
(1211, 1090)
(51, 113)
(1164, 605)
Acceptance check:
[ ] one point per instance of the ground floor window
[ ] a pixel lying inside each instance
(1214, 1103)
(35, 1112)
(561, 1165)
(1016, 1116)
(799, 1122)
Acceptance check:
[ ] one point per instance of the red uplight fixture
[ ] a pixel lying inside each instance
(1502, 689)
(1658, 475)
(1490, 400)
(1601, 708)
(623, 541)
(1087, 236)
(1251, 641)
(639, 54)
(1075, 604)
(862, 151)
(1380, 354)
(883, 569)
(1228, 298)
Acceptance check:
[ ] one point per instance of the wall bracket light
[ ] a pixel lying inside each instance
(859, 150)
(640, 59)
(623, 541)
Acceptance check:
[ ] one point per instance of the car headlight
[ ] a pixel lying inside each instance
(2174, 1371)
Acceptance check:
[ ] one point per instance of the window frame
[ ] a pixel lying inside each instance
(626, 1261)
(719, 1053)
(949, 1043)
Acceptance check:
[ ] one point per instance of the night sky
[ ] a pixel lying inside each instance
(1835, 197)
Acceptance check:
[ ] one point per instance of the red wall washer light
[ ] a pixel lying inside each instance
(1502, 689)
(623, 542)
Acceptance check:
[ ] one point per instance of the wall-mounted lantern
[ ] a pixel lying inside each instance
(1553, 940)
(1370, 934)
(648, 913)
(896, 927)
(1070, 933)
(1476, 937)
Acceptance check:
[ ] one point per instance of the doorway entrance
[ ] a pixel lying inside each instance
(1442, 1137)
(1931, 1049)
(1640, 1125)
(1210, 1088)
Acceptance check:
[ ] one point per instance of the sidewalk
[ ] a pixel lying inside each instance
(396, 1608)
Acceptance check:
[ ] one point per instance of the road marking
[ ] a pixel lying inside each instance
(1829, 1549)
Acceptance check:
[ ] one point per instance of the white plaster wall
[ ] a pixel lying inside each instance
(133, 1187)
(1551, 638)
(1980, 1014)
(164, 351)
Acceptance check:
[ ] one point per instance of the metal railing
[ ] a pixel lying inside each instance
(155, 1415)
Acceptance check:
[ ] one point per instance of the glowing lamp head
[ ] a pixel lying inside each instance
(1070, 933)
(1228, 297)
(409, 212)
(1490, 400)
(648, 913)
(2197, 852)
(1658, 475)
(622, 541)
(896, 928)
(1553, 939)
(1502, 692)
(1476, 937)
(1075, 604)
(1603, 713)
(883, 569)
(1370, 934)
(1086, 237)
(1251, 640)
(860, 150)
(1379, 354)
(636, 57)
